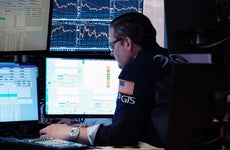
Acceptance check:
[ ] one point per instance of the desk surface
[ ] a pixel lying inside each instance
(141, 146)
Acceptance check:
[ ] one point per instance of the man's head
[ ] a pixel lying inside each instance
(129, 33)
(136, 26)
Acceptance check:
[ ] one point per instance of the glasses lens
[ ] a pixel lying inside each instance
(111, 44)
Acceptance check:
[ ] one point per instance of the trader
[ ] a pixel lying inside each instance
(143, 95)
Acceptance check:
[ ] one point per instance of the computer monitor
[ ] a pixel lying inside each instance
(24, 25)
(198, 26)
(18, 93)
(199, 105)
(81, 87)
(83, 26)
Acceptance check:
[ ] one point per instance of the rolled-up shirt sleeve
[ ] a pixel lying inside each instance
(91, 133)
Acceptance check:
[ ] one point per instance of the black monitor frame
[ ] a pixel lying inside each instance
(194, 104)
(19, 128)
(82, 27)
(77, 56)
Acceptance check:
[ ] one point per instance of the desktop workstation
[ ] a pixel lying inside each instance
(69, 55)
(56, 50)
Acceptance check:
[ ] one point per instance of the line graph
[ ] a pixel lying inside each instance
(79, 35)
(95, 9)
(121, 7)
(64, 9)
(93, 35)
(59, 4)
(63, 35)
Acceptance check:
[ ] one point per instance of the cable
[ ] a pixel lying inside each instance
(80, 120)
(215, 44)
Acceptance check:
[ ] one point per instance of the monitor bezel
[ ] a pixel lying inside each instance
(77, 56)
(102, 49)
(24, 122)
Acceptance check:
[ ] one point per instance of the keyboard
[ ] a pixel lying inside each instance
(49, 143)
(8, 143)
(8, 139)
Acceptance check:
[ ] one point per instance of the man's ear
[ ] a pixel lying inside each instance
(128, 43)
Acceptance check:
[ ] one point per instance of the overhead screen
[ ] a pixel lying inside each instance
(83, 26)
(24, 25)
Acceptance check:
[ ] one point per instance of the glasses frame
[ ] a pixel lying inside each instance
(111, 44)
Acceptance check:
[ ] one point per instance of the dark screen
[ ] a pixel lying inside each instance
(197, 26)
(199, 94)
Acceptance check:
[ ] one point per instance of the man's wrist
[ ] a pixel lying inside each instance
(74, 133)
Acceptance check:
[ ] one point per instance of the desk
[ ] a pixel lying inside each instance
(141, 145)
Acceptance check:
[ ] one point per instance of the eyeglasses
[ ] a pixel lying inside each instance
(111, 44)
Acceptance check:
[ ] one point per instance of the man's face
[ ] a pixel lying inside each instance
(120, 50)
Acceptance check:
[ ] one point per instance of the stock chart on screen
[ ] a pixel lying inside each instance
(83, 25)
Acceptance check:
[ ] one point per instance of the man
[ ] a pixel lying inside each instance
(144, 88)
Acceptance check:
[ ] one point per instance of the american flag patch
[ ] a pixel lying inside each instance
(126, 87)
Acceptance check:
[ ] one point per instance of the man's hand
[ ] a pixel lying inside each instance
(57, 131)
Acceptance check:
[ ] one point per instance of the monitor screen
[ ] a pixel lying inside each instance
(24, 25)
(83, 26)
(199, 106)
(198, 26)
(81, 87)
(18, 92)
